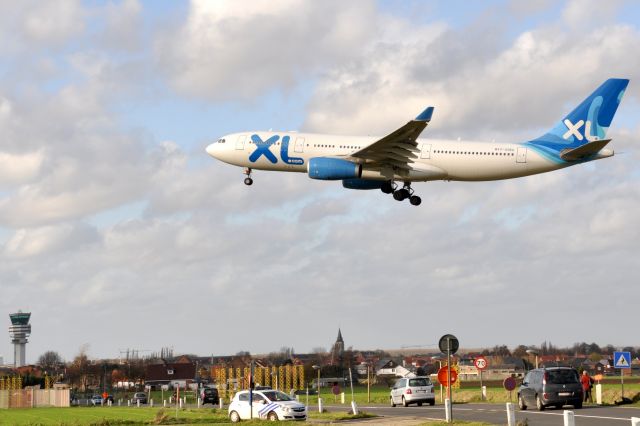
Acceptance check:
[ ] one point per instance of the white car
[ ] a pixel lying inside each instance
(267, 404)
(412, 390)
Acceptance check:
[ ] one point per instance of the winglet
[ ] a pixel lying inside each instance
(425, 115)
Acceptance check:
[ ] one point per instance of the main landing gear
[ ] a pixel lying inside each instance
(401, 194)
(248, 180)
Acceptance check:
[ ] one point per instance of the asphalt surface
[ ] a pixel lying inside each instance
(497, 414)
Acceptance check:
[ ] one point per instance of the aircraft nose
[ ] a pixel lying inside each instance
(211, 149)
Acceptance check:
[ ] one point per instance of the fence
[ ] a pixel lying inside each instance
(284, 377)
(30, 398)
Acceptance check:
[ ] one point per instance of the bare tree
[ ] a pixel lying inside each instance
(50, 360)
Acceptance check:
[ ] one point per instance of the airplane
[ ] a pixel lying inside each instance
(381, 163)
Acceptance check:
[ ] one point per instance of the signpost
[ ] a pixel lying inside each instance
(481, 363)
(509, 384)
(449, 344)
(622, 360)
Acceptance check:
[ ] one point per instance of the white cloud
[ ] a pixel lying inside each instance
(19, 168)
(227, 50)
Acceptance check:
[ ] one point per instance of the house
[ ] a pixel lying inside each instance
(180, 373)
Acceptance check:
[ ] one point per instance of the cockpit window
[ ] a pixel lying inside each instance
(221, 140)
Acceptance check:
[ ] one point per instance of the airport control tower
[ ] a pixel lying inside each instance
(19, 330)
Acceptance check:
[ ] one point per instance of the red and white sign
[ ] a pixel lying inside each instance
(442, 376)
(480, 363)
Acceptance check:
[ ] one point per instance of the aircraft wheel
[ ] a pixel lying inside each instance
(248, 181)
(387, 187)
(398, 195)
(415, 200)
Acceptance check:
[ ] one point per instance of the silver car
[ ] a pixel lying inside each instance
(412, 390)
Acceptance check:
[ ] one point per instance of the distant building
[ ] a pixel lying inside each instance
(19, 330)
(337, 351)
(180, 373)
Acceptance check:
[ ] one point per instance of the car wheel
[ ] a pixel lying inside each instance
(578, 405)
(393, 404)
(234, 417)
(404, 402)
(419, 404)
(432, 402)
(272, 416)
(521, 403)
(539, 404)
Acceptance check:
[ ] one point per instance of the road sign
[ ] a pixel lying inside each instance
(442, 376)
(480, 363)
(622, 360)
(449, 342)
(509, 383)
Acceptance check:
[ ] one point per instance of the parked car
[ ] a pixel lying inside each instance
(267, 404)
(556, 386)
(209, 395)
(96, 400)
(412, 390)
(139, 396)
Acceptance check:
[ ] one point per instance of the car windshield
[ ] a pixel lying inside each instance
(558, 377)
(419, 382)
(276, 396)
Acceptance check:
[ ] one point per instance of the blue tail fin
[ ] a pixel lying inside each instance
(590, 120)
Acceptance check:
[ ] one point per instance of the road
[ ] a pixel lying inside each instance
(496, 414)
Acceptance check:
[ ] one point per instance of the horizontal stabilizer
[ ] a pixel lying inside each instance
(583, 151)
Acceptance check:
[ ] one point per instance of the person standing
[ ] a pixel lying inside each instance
(585, 380)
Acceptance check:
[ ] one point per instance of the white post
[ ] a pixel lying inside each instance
(151, 403)
(221, 403)
(511, 414)
(180, 402)
(635, 421)
(128, 403)
(569, 418)
(320, 405)
(164, 402)
(354, 408)
(199, 401)
(120, 402)
(447, 410)
(342, 398)
(138, 403)
(484, 393)
(599, 394)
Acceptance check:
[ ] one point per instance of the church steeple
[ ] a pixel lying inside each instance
(337, 351)
(339, 339)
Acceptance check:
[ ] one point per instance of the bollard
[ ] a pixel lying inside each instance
(354, 408)
(635, 421)
(319, 405)
(484, 393)
(221, 403)
(119, 402)
(138, 403)
(342, 398)
(511, 414)
(164, 403)
(599, 394)
(151, 403)
(199, 401)
(447, 410)
(569, 418)
(128, 403)
(180, 402)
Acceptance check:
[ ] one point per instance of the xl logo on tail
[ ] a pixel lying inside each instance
(574, 130)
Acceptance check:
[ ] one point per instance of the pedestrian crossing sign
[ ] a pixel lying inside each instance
(622, 360)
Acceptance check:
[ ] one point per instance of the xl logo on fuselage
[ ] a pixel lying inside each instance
(262, 148)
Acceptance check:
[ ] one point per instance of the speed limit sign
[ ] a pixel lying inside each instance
(480, 363)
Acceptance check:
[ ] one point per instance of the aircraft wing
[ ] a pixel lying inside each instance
(399, 148)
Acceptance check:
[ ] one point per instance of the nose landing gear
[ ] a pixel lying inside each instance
(401, 194)
(248, 180)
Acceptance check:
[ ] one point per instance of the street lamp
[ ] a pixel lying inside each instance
(533, 352)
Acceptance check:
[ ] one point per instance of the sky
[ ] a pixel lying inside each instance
(118, 232)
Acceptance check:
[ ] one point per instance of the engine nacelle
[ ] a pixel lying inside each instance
(362, 184)
(325, 168)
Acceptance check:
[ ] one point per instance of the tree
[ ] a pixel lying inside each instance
(50, 360)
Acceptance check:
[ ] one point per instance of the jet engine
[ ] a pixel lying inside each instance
(325, 168)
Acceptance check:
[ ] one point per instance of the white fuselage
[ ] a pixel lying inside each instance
(439, 159)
